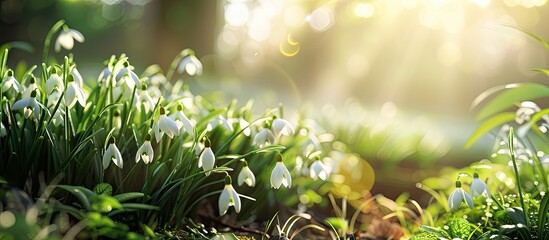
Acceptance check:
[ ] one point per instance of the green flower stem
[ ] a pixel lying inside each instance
(3, 62)
(515, 168)
(127, 176)
(186, 199)
(47, 42)
(126, 116)
(22, 138)
(3, 65)
(67, 113)
(228, 141)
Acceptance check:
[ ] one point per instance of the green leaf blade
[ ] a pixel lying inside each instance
(510, 96)
(488, 125)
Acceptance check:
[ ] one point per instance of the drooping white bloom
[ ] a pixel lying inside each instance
(127, 76)
(146, 101)
(11, 83)
(318, 170)
(263, 138)
(66, 39)
(478, 187)
(280, 175)
(32, 86)
(104, 75)
(191, 65)
(282, 127)
(73, 94)
(219, 120)
(457, 196)
(3, 131)
(206, 161)
(53, 98)
(525, 111)
(29, 106)
(165, 125)
(229, 197)
(77, 77)
(112, 154)
(524, 114)
(57, 118)
(54, 83)
(246, 126)
(246, 176)
(199, 148)
(145, 152)
(182, 121)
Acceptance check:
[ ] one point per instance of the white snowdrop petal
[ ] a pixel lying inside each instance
(224, 200)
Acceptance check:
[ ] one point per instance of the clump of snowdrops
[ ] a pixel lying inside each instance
(145, 137)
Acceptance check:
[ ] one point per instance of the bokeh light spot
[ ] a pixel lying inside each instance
(7, 219)
(237, 14)
(321, 19)
(364, 10)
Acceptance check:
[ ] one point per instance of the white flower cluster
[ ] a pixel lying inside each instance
(65, 102)
(478, 188)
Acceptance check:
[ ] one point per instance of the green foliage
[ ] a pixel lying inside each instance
(138, 139)
(460, 228)
(103, 188)
(424, 236)
(511, 95)
(517, 205)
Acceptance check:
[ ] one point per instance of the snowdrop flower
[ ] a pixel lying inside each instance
(126, 95)
(3, 131)
(73, 94)
(66, 39)
(145, 152)
(206, 161)
(281, 127)
(280, 174)
(525, 111)
(127, 76)
(183, 123)
(11, 83)
(53, 98)
(191, 65)
(77, 77)
(57, 118)
(147, 101)
(318, 170)
(32, 86)
(263, 138)
(165, 125)
(219, 120)
(245, 125)
(478, 187)
(242, 124)
(457, 196)
(199, 148)
(29, 106)
(524, 114)
(112, 154)
(104, 75)
(246, 176)
(229, 197)
(54, 83)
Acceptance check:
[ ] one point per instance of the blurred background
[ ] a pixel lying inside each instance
(403, 68)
